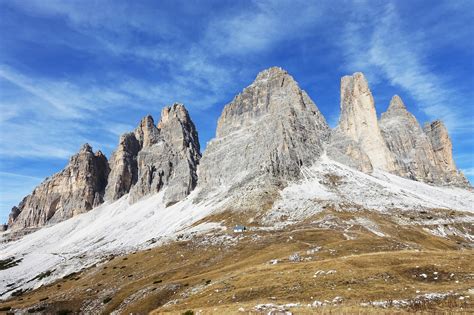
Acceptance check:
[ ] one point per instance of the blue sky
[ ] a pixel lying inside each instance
(86, 71)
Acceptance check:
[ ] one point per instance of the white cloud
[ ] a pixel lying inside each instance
(14, 187)
(263, 25)
(376, 43)
(468, 171)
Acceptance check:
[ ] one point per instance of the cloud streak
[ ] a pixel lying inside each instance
(377, 44)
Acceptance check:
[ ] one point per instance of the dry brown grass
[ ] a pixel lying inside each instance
(226, 278)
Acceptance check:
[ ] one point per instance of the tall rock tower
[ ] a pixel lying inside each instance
(264, 136)
(410, 146)
(422, 155)
(443, 151)
(155, 157)
(358, 121)
(76, 189)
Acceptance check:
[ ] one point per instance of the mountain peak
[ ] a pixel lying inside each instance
(147, 133)
(355, 82)
(264, 135)
(271, 72)
(177, 110)
(358, 120)
(77, 188)
(396, 103)
(85, 148)
(147, 121)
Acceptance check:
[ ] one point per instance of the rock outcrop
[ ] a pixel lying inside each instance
(414, 156)
(169, 156)
(422, 155)
(76, 189)
(343, 149)
(443, 151)
(123, 167)
(358, 121)
(154, 157)
(264, 136)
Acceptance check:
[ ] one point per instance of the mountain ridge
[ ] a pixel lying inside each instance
(264, 136)
(281, 172)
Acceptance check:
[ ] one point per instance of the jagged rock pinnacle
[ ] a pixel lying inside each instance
(358, 121)
(396, 103)
(420, 155)
(154, 157)
(76, 189)
(265, 135)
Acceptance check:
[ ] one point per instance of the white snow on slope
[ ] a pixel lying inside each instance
(329, 183)
(86, 239)
(119, 227)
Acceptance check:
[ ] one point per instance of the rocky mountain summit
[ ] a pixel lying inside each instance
(169, 156)
(443, 148)
(358, 121)
(76, 189)
(146, 161)
(153, 157)
(267, 137)
(264, 137)
(423, 155)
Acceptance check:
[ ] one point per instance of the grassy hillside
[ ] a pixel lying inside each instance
(336, 265)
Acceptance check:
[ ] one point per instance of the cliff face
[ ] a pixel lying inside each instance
(422, 155)
(410, 146)
(443, 151)
(146, 161)
(123, 167)
(169, 156)
(156, 157)
(264, 136)
(76, 189)
(358, 122)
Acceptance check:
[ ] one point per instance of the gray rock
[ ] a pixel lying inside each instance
(443, 151)
(169, 156)
(123, 163)
(344, 150)
(76, 189)
(156, 157)
(358, 121)
(123, 167)
(420, 156)
(263, 138)
(147, 133)
(410, 146)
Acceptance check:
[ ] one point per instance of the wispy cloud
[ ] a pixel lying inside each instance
(468, 171)
(14, 187)
(119, 60)
(46, 118)
(376, 42)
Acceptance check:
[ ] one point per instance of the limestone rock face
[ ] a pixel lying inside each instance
(123, 167)
(266, 135)
(443, 151)
(76, 189)
(146, 133)
(344, 150)
(410, 146)
(422, 155)
(358, 121)
(169, 156)
(154, 157)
